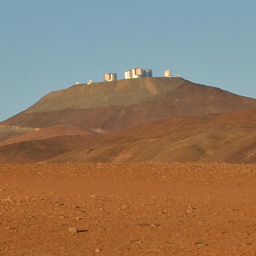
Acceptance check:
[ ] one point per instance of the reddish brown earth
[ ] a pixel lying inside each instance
(211, 138)
(127, 209)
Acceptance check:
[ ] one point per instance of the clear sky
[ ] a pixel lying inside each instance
(48, 45)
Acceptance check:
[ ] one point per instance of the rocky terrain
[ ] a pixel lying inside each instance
(127, 209)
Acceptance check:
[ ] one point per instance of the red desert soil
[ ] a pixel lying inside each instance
(127, 209)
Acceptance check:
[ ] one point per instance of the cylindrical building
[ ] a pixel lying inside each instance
(168, 73)
(136, 72)
(148, 72)
(139, 72)
(133, 72)
(110, 77)
(113, 76)
(106, 77)
(127, 74)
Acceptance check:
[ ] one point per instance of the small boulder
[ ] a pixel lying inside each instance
(72, 230)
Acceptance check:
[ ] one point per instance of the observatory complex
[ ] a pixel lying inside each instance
(134, 73)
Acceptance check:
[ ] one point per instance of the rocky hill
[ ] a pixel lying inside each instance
(139, 120)
(122, 104)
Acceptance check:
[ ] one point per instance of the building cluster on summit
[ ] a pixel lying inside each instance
(134, 73)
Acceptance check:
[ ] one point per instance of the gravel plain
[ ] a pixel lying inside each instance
(127, 209)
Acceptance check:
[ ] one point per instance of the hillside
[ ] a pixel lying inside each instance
(46, 133)
(141, 120)
(7, 131)
(34, 151)
(203, 139)
(122, 104)
(211, 138)
(106, 94)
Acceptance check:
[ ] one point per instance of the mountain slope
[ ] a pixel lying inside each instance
(211, 138)
(105, 94)
(182, 140)
(7, 131)
(34, 151)
(122, 104)
(46, 133)
(241, 151)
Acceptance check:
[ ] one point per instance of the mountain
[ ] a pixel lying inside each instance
(138, 120)
(122, 104)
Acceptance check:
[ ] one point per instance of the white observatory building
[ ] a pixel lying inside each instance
(168, 73)
(110, 77)
(137, 73)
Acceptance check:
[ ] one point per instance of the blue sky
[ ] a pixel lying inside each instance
(48, 45)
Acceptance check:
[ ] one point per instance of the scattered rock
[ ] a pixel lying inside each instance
(190, 209)
(72, 230)
(161, 212)
(200, 244)
(58, 203)
(136, 241)
(98, 250)
(155, 225)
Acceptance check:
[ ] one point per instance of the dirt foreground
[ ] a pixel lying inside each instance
(133, 209)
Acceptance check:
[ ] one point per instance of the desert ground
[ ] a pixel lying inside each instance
(128, 209)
